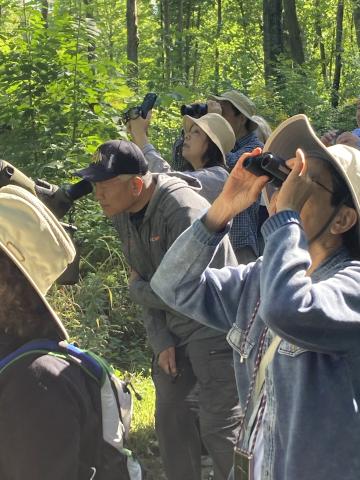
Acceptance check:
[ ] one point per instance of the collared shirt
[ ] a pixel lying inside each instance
(244, 231)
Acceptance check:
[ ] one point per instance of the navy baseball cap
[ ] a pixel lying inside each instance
(113, 158)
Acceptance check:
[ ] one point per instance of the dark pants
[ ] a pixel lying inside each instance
(208, 363)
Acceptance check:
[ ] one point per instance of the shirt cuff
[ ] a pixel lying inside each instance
(207, 237)
(278, 220)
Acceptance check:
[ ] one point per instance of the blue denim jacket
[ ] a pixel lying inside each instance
(312, 422)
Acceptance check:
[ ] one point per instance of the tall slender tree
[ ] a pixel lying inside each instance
(294, 32)
(338, 54)
(356, 17)
(319, 38)
(132, 41)
(272, 38)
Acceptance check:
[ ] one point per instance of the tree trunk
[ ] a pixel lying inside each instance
(89, 13)
(132, 40)
(217, 42)
(180, 39)
(45, 12)
(197, 62)
(167, 41)
(273, 38)
(320, 41)
(295, 40)
(338, 49)
(356, 17)
(187, 41)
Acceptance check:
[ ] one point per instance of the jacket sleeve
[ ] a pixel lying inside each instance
(183, 217)
(158, 334)
(185, 281)
(155, 160)
(321, 316)
(40, 426)
(141, 293)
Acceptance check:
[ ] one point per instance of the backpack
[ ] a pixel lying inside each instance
(116, 401)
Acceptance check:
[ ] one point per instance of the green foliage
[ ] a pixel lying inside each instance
(64, 81)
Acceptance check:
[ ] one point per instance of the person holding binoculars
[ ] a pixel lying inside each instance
(293, 316)
(207, 140)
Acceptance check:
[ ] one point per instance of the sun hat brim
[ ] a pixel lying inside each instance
(297, 132)
(14, 199)
(205, 127)
(59, 327)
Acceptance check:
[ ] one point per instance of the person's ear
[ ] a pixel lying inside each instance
(344, 220)
(136, 186)
(242, 119)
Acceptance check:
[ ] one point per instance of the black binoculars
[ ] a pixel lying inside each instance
(141, 110)
(196, 110)
(270, 165)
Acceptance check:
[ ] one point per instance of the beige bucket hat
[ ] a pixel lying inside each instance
(216, 128)
(241, 102)
(34, 240)
(296, 132)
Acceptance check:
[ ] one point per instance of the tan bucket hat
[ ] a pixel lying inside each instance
(216, 128)
(241, 102)
(296, 132)
(34, 240)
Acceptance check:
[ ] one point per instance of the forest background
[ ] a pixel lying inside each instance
(69, 68)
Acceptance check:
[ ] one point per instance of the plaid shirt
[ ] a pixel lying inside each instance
(244, 230)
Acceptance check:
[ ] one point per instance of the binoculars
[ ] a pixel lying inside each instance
(196, 110)
(141, 110)
(270, 165)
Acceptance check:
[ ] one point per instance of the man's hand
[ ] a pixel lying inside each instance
(133, 276)
(214, 107)
(167, 362)
(348, 139)
(297, 187)
(241, 190)
(138, 130)
(328, 138)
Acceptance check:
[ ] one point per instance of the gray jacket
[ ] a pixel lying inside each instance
(174, 205)
(312, 421)
(212, 179)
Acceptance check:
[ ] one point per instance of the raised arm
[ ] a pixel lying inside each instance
(138, 129)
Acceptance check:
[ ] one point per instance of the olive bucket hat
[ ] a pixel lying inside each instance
(216, 128)
(242, 103)
(296, 132)
(35, 241)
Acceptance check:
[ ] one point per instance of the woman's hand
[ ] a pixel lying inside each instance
(298, 186)
(138, 129)
(241, 190)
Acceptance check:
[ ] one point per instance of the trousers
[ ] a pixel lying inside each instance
(208, 365)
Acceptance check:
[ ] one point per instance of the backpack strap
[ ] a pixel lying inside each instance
(89, 363)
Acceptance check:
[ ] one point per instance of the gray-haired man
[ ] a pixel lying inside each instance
(150, 211)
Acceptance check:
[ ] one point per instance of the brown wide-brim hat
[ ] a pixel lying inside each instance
(296, 132)
(242, 103)
(216, 128)
(32, 237)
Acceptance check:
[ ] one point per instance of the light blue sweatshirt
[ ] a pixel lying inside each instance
(312, 423)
